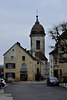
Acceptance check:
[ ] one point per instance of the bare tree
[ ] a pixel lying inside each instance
(57, 34)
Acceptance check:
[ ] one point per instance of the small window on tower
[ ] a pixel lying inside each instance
(38, 45)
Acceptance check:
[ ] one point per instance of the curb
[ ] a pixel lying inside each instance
(63, 85)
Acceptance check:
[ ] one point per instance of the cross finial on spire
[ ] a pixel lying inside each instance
(37, 22)
(37, 12)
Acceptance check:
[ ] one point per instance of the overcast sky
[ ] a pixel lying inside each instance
(18, 16)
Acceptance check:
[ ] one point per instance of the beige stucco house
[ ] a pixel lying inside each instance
(19, 65)
(62, 68)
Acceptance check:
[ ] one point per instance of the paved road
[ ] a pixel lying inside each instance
(5, 96)
(36, 91)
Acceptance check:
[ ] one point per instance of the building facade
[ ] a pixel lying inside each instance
(58, 59)
(19, 65)
(31, 65)
(53, 63)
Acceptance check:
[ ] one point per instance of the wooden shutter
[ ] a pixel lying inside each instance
(6, 65)
(13, 75)
(14, 65)
(6, 75)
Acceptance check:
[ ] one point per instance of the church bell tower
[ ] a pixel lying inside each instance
(37, 37)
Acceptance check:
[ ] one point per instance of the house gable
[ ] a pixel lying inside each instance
(13, 49)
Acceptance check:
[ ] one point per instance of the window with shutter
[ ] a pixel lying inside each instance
(10, 75)
(10, 65)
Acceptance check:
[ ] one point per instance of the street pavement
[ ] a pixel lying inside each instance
(36, 91)
(9, 96)
(4, 96)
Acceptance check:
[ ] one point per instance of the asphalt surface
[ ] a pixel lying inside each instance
(35, 91)
(5, 96)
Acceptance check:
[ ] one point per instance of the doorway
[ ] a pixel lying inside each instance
(56, 73)
(23, 77)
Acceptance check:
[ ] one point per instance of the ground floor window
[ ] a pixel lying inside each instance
(10, 75)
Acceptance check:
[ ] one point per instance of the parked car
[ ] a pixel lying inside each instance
(2, 82)
(52, 81)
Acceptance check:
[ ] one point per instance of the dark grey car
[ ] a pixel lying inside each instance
(52, 81)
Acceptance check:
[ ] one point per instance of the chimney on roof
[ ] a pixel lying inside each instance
(18, 43)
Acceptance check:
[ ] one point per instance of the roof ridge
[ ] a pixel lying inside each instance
(22, 48)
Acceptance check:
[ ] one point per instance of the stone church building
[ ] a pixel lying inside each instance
(37, 39)
(23, 65)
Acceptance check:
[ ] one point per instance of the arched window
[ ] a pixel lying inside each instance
(24, 69)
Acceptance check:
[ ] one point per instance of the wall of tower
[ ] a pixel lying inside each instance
(42, 43)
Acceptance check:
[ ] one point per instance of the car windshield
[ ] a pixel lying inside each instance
(53, 78)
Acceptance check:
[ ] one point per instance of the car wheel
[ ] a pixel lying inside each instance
(57, 84)
(47, 84)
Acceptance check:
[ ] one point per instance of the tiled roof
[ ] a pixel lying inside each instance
(23, 49)
(40, 56)
(53, 52)
(37, 28)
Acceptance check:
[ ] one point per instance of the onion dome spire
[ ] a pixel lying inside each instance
(37, 28)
